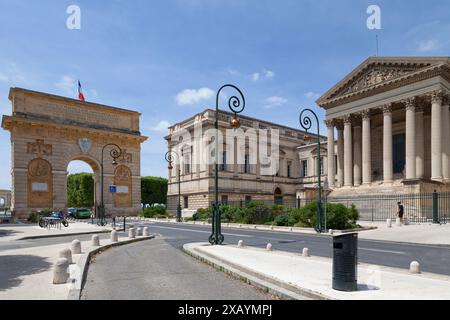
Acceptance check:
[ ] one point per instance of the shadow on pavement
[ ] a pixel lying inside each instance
(8, 232)
(12, 267)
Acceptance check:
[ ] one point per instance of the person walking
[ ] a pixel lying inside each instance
(400, 211)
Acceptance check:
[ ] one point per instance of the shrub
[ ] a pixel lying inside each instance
(257, 213)
(202, 214)
(154, 212)
(277, 210)
(340, 217)
(282, 220)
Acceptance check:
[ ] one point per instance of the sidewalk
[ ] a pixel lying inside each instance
(11, 232)
(27, 274)
(313, 275)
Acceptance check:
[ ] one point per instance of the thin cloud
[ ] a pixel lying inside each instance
(67, 85)
(162, 126)
(275, 101)
(428, 45)
(192, 96)
(263, 75)
(312, 95)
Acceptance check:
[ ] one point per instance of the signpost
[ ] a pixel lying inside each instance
(113, 189)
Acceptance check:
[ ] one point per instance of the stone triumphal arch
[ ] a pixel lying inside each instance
(48, 132)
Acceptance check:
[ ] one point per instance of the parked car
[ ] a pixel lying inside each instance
(71, 212)
(83, 214)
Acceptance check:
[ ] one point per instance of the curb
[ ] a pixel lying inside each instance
(272, 286)
(83, 264)
(64, 235)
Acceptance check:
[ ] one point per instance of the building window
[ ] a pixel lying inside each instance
(322, 167)
(223, 165)
(304, 168)
(247, 164)
(186, 202)
(289, 166)
(187, 164)
(224, 200)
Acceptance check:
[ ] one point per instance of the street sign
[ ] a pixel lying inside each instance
(113, 189)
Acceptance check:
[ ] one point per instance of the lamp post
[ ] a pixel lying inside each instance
(170, 159)
(236, 104)
(115, 153)
(306, 123)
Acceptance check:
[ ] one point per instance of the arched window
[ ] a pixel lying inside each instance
(278, 196)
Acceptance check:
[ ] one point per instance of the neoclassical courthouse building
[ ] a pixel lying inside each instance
(388, 121)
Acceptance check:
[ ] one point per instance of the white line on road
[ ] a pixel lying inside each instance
(384, 251)
(201, 231)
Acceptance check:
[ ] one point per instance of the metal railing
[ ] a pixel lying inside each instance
(431, 207)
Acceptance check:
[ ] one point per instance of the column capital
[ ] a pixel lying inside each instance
(410, 103)
(387, 108)
(365, 114)
(446, 99)
(437, 96)
(329, 123)
(347, 119)
(339, 124)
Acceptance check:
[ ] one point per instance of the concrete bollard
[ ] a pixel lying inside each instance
(95, 241)
(146, 232)
(240, 244)
(269, 247)
(305, 253)
(139, 232)
(66, 254)
(271, 228)
(398, 222)
(414, 267)
(331, 231)
(114, 236)
(389, 223)
(132, 233)
(76, 247)
(61, 271)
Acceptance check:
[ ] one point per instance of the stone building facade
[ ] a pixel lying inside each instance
(390, 126)
(48, 132)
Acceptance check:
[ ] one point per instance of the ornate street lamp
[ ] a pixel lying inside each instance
(115, 154)
(306, 123)
(236, 104)
(170, 158)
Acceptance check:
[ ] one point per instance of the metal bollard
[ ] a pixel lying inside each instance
(60, 271)
(124, 224)
(114, 237)
(66, 254)
(131, 233)
(76, 247)
(146, 232)
(95, 241)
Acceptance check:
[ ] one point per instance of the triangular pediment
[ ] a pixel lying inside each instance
(379, 71)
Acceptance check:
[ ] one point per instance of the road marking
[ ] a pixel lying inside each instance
(384, 251)
(201, 231)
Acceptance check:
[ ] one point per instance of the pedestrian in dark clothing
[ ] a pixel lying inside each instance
(400, 211)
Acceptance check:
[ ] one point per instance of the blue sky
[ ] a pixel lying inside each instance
(166, 58)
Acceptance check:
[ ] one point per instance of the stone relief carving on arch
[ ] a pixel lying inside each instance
(40, 184)
(123, 181)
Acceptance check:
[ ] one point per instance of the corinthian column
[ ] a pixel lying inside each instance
(387, 144)
(348, 153)
(420, 144)
(436, 135)
(340, 168)
(445, 139)
(357, 155)
(330, 153)
(410, 138)
(366, 148)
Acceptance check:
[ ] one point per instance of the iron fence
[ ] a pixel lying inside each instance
(431, 207)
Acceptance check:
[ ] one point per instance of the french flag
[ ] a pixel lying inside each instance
(80, 92)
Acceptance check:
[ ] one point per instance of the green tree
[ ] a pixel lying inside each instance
(153, 190)
(80, 190)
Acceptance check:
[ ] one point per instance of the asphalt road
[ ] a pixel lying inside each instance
(157, 270)
(435, 259)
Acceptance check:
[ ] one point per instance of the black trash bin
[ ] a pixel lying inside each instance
(345, 262)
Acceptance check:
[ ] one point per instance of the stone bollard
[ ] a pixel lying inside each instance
(398, 222)
(331, 231)
(414, 267)
(95, 241)
(146, 232)
(132, 233)
(61, 271)
(305, 253)
(291, 229)
(271, 228)
(389, 223)
(114, 236)
(240, 244)
(139, 232)
(66, 254)
(76, 247)
(269, 247)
